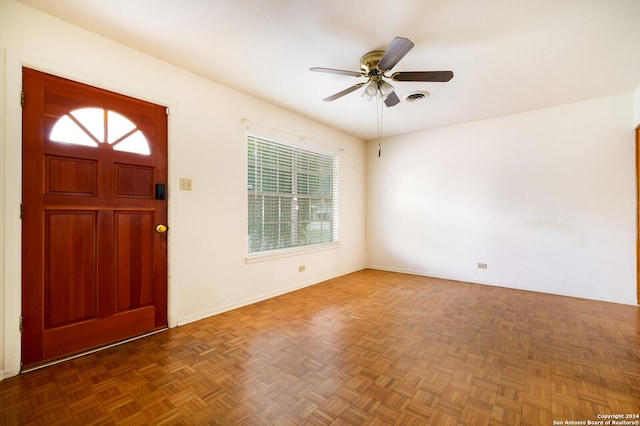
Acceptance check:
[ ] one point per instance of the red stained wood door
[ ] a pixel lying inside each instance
(94, 266)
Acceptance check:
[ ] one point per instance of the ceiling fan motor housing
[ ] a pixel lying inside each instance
(369, 62)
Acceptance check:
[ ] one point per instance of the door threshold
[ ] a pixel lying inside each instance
(101, 348)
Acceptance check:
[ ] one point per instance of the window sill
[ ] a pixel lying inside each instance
(296, 251)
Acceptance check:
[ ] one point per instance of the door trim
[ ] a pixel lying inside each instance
(638, 214)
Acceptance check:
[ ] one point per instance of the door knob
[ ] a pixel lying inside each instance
(161, 228)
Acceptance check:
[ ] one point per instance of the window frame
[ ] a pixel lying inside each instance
(278, 142)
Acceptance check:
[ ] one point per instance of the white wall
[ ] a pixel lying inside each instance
(546, 199)
(208, 272)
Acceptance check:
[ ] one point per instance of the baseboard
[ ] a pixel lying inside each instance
(226, 308)
(459, 279)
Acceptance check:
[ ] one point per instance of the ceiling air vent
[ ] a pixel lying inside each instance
(416, 96)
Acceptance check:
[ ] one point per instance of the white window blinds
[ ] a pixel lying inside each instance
(292, 196)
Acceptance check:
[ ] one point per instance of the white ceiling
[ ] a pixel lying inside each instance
(507, 56)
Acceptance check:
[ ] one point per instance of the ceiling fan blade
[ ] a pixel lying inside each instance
(438, 76)
(344, 92)
(392, 100)
(335, 71)
(396, 51)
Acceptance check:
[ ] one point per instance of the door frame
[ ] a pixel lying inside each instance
(638, 214)
(11, 239)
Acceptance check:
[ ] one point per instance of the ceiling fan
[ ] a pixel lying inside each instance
(375, 64)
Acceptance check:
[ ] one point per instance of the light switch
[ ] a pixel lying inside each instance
(185, 184)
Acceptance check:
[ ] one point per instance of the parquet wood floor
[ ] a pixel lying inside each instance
(372, 347)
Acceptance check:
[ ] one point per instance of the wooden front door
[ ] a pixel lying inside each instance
(94, 259)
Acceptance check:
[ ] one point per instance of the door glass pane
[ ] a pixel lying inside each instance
(118, 126)
(66, 130)
(93, 120)
(135, 143)
(85, 126)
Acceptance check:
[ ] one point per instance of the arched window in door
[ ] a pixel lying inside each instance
(98, 127)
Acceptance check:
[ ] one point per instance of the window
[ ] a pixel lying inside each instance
(292, 196)
(97, 127)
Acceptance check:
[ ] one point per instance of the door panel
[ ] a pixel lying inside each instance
(70, 176)
(134, 242)
(134, 181)
(94, 267)
(70, 267)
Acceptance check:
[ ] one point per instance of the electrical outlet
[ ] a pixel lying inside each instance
(302, 268)
(185, 184)
(482, 265)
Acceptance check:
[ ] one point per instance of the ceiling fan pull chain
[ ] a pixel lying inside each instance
(379, 112)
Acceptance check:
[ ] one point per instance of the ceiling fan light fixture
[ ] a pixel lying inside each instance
(385, 89)
(370, 90)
